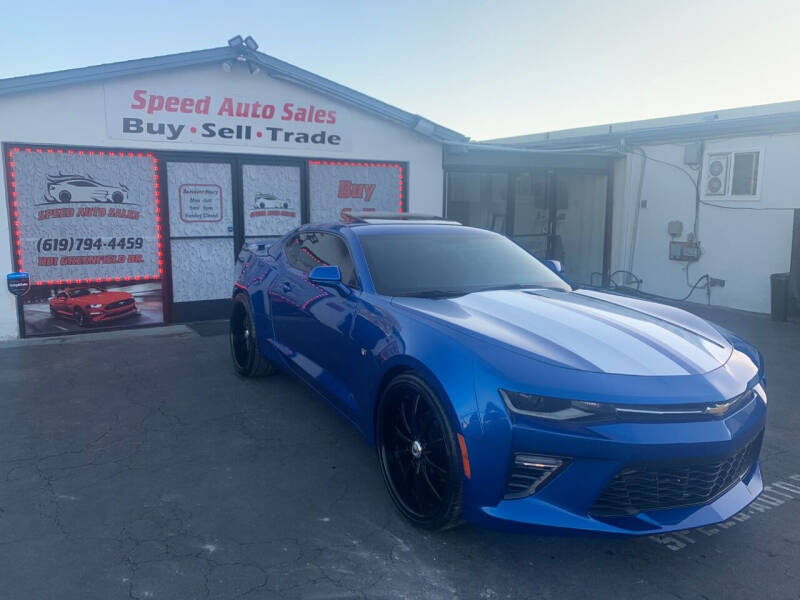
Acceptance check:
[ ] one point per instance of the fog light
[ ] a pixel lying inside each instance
(530, 472)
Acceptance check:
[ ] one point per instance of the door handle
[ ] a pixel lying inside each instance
(286, 286)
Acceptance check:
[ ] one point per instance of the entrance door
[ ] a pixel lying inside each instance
(555, 214)
(580, 226)
(201, 220)
(531, 203)
(271, 199)
(561, 215)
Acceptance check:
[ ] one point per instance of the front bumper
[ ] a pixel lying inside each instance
(100, 315)
(599, 452)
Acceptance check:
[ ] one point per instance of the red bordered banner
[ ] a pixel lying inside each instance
(84, 215)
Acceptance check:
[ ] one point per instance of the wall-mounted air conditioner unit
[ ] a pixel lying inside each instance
(716, 177)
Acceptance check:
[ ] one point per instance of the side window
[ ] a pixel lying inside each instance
(312, 249)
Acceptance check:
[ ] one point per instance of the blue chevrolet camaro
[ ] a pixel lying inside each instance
(494, 391)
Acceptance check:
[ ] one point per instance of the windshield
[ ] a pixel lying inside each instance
(452, 262)
(84, 292)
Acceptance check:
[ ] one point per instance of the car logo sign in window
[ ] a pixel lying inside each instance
(18, 283)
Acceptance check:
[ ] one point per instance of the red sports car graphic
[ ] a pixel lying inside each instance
(81, 188)
(88, 305)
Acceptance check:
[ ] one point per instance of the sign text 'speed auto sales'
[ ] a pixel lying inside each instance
(139, 113)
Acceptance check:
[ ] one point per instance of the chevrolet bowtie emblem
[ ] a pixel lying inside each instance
(717, 410)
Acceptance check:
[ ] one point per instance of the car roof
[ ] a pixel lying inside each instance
(64, 178)
(399, 218)
(394, 227)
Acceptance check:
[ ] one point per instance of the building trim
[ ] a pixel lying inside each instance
(272, 66)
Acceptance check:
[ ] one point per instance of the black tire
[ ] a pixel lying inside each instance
(418, 454)
(117, 197)
(247, 361)
(80, 317)
(64, 196)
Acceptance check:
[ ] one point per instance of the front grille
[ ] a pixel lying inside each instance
(119, 304)
(660, 486)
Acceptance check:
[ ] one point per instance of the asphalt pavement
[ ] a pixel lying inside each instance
(137, 465)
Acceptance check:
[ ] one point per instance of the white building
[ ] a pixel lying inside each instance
(143, 179)
(736, 225)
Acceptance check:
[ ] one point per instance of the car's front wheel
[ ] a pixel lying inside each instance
(247, 361)
(64, 196)
(80, 318)
(418, 454)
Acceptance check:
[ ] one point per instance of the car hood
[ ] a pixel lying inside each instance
(104, 298)
(586, 330)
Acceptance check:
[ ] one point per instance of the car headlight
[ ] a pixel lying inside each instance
(95, 306)
(556, 409)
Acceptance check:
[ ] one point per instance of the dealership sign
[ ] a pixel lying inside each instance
(83, 215)
(198, 116)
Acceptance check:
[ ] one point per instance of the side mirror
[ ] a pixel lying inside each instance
(554, 266)
(328, 275)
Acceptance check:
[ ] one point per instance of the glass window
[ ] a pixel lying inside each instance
(271, 195)
(337, 187)
(478, 199)
(307, 250)
(745, 174)
(451, 263)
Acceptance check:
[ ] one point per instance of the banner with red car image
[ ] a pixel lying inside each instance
(86, 226)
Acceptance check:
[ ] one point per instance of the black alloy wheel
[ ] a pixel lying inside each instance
(80, 318)
(419, 455)
(247, 361)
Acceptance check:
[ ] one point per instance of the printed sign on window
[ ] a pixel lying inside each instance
(337, 187)
(271, 196)
(85, 215)
(86, 227)
(200, 202)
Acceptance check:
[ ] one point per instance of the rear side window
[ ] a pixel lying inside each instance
(307, 250)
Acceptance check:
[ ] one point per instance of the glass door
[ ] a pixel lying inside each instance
(201, 222)
(271, 200)
(580, 225)
(532, 215)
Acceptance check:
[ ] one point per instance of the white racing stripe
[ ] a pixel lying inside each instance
(704, 354)
(606, 346)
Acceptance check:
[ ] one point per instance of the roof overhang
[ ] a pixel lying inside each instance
(272, 66)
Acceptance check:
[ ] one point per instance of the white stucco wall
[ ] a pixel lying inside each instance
(743, 247)
(75, 115)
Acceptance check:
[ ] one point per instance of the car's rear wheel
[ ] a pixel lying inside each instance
(80, 318)
(64, 196)
(117, 197)
(247, 361)
(418, 454)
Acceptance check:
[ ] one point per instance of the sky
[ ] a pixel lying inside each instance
(485, 69)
